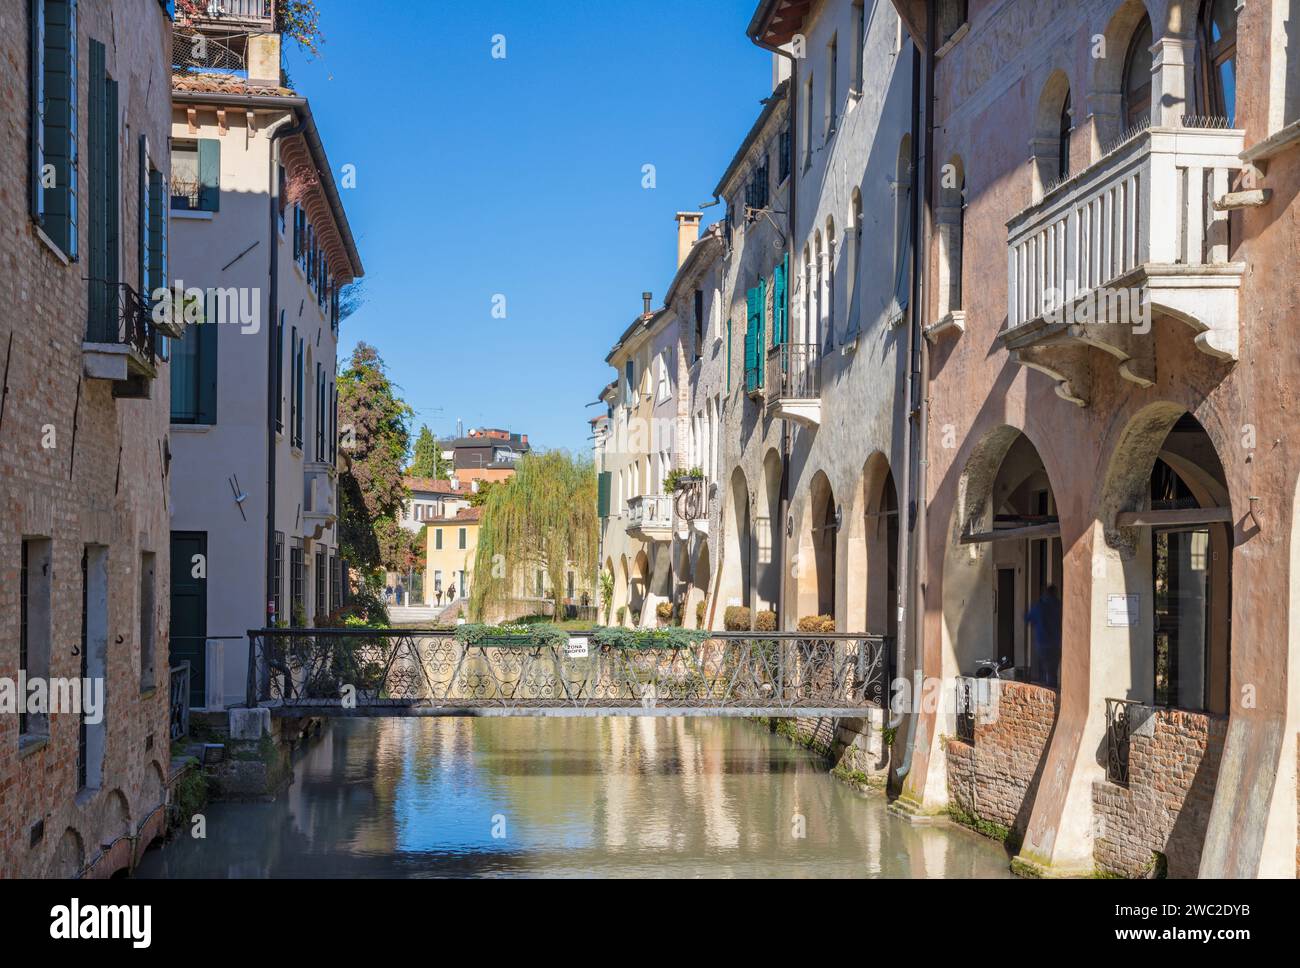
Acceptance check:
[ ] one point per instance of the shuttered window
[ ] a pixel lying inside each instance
(194, 376)
(780, 319)
(279, 374)
(53, 147)
(755, 340)
(300, 366)
(104, 180)
(293, 386)
(209, 175)
(602, 494)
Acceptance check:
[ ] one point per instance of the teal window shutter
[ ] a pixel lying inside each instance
(751, 341)
(780, 318)
(59, 215)
(602, 494)
(279, 373)
(209, 175)
(760, 348)
(158, 216)
(207, 370)
(36, 147)
(99, 322)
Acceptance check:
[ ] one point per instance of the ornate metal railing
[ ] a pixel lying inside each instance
(966, 710)
(119, 314)
(691, 499)
(398, 672)
(794, 372)
(180, 701)
(1119, 733)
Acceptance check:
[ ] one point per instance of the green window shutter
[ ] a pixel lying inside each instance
(753, 323)
(602, 494)
(279, 373)
(98, 329)
(207, 347)
(60, 128)
(209, 175)
(293, 383)
(437, 539)
(142, 187)
(36, 80)
(158, 215)
(728, 355)
(780, 317)
(761, 341)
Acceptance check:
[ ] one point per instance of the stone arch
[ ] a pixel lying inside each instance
(737, 560)
(871, 552)
(990, 583)
(623, 590)
(701, 576)
(1176, 580)
(1051, 144)
(69, 858)
(769, 533)
(639, 589)
(1106, 96)
(818, 550)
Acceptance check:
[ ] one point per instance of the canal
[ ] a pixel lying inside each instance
(616, 797)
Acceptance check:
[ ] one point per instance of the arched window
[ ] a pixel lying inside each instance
(1137, 76)
(829, 293)
(1216, 60)
(1063, 140)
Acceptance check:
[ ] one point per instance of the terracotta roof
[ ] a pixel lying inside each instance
(203, 83)
(435, 486)
(463, 516)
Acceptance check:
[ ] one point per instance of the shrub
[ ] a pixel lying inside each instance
(765, 622)
(699, 612)
(736, 619)
(620, 613)
(664, 611)
(817, 624)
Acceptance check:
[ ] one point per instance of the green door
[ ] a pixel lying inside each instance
(189, 625)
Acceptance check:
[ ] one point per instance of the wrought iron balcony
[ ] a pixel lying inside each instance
(650, 517)
(691, 501)
(1142, 230)
(1122, 718)
(121, 339)
(794, 383)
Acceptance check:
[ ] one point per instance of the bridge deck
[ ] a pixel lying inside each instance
(411, 711)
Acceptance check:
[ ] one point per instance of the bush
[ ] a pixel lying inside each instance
(620, 613)
(817, 624)
(765, 622)
(736, 619)
(664, 611)
(665, 638)
(699, 613)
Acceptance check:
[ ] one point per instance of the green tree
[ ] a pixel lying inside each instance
(374, 424)
(428, 460)
(542, 517)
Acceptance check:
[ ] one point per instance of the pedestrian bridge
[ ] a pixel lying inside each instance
(437, 672)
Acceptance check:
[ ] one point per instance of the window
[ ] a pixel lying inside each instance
(829, 281)
(783, 154)
(320, 414)
(322, 608)
(832, 94)
(336, 581)
(859, 47)
(53, 127)
(194, 376)
(148, 618)
(297, 601)
(34, 624)
(103, 171)
(1216, 60)
(541, 582)
(807, 122)
(629, 385)
(196, 175)
(1063, 140)
(951, 17)
(279, 374)
(277, 577)
(94, 661)
(460, 539)
(903, 226)
(1137, 77)
(951, 218)
(568, 585)
(665, 386)
(699, 325)
(281, 194)
(755, 339)
(299, 374)
(437, 539)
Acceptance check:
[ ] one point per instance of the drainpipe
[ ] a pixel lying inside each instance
(912, 552)
(783, 506)
(279, 132)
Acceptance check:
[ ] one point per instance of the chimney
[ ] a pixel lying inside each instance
(264, 58)
(688, 233)
(646, 298)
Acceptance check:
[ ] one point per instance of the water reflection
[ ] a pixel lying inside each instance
(619, 797)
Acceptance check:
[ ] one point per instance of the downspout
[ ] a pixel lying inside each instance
(278, 132)
(913, 553)
(783, 505)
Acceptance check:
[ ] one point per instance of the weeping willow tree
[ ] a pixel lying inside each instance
(541, 519)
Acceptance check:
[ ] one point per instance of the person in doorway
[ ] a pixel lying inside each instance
(1045, 619)
(451, 594)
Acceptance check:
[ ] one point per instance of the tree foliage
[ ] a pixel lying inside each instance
(374, 423)
(428, 460)
(542, 517)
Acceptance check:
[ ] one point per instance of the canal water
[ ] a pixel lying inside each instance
(616, 797)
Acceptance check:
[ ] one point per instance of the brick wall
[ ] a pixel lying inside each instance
(1173, 764)
(996, 779)
(79, 467)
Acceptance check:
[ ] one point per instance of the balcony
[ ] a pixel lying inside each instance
(257, 14)
(318, 502)
(794, 383)
(650, 517)
(1141, 232)
(121, 340)
(691, 501)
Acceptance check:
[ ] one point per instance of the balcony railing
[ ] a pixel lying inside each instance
(966, 710)
(252, 13)
(650, 513)
(180, 701)
(319, 496)
(794, 383)
(1137, 229)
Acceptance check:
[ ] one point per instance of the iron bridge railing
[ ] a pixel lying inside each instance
(180, 701)
(1119, 733)
(402, 672)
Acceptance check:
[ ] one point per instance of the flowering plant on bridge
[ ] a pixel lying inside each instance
(533, 635)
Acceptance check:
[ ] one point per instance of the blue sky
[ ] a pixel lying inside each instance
(522, 177)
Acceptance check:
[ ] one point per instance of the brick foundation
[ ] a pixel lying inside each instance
(996, 779)
(1173, 765)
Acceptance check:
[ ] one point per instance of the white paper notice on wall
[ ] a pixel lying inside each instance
(576, 649)
(1122, 611)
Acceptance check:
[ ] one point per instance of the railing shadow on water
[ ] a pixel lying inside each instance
(436, 672)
